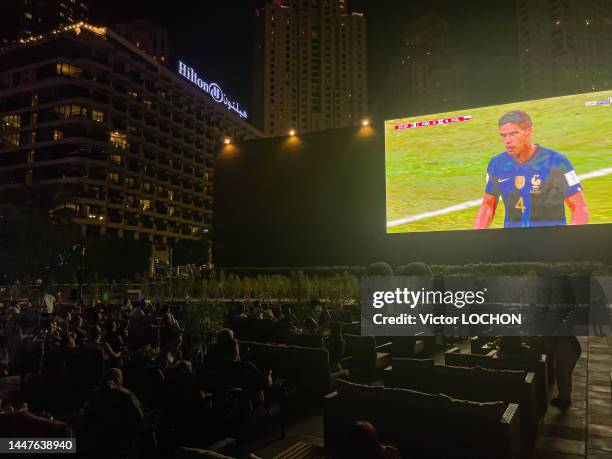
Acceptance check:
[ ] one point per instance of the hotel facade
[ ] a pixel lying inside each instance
(129, 143)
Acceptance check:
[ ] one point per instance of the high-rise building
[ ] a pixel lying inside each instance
(130, 143)
(452, 57)
(310, 66)
(148, 37)
(22, 19)
(564, 46)
(425, 77)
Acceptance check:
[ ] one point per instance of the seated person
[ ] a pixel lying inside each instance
(170, 350)
(285, 323)
(78, 328)
(5, 359)
(213, 357)
(64, 321)
(183, 399)
(243, 311)
(17, 420)
(363, 443)
(168, 319)
(112, 420)
(232, 373)
(112, 337)
(310, 325)
(95, 342)
(53, 335)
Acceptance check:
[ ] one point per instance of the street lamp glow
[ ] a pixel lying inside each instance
(365, 122)
(291, 132)
(227, 141)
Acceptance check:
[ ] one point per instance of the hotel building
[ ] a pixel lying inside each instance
(130, 143)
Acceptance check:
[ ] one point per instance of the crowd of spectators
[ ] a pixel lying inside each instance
(121, 375)
(122, 379)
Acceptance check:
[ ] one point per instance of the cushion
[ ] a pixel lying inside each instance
(489, 410)
(407, 364)
(382, 396)
(501, 373)
(26, 424)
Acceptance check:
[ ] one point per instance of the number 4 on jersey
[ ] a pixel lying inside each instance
(520, 204)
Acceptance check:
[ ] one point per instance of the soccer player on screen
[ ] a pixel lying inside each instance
(533, 181)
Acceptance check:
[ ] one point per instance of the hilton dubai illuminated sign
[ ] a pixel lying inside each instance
(212, 89)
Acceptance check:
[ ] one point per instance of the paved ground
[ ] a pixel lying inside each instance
(582, 432)
(585, 430)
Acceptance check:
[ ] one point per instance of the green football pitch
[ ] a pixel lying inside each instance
(429, 169)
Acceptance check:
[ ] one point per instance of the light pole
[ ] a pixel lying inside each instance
(82, 249)
(171, 272)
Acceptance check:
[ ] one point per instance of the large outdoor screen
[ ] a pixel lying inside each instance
(538, 163)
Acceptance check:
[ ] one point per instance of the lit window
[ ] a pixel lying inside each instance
(31, 156)
(71, 111)
(133, 94)
(145, 204)
(76, 111)
(13, 139)
(57, 134)
(113, 177)
(68, 70)
(118, 140)
(33, 137)
(34, 100)
(28, 15)
(116, 159)
(12, 121)
(97, 115)
(95, 213)
(33, 119)
(147, 103)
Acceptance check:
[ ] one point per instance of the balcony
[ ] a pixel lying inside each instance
(147, 222)
(131, 219)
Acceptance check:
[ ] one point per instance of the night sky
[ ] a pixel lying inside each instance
(216, 38)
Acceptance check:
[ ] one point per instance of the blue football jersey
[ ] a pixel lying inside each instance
(534, 191)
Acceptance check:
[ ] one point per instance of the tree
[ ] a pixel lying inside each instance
(213, 285)
(380, 268)
(416, 268)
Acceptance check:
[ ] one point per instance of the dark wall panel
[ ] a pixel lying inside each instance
(319, 199)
